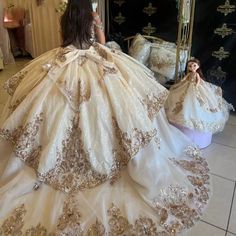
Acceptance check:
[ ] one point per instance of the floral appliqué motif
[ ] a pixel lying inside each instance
(11, 85)
(154, 103)
(73, 170)
(69, 223)
(24, 142)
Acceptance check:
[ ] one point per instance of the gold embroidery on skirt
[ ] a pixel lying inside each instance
(14, 224)
(179, 104)
(73, 170)
(12, 107)
(69, 221)
(177, 209)
(206, 105)
(109, 70)
(100, 51)
(200, 125)
(154, 103)
(11, 85)
(176, 199)
(82, 60)
(76, 96)
(23, 139)
(39, 230)
(96, 229)
(119, 225)
(130, 144)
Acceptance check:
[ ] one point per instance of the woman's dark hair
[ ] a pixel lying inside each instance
(199, 71)
(76, 23)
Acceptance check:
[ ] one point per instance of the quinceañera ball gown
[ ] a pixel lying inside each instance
(87, 150)
(197, 107)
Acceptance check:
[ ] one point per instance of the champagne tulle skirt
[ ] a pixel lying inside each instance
(87, 150)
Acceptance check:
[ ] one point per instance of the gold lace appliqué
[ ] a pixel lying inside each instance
(120, 226)
(205, 104)
(130, 144)
(186, 206)
(23, 139)
(179, 104)
(12, 107)
(102, 52)
(97, 229)
(14, 224)
(11, 85)
(39, 230)
(68, 223)
(73, 170)
(76, 96)
(155, 103)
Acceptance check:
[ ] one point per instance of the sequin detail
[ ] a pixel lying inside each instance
(24, 142)
(154, 103)
(175, 202)
(73, 170)
(13, 225)
(39, 230)
(120, 226)
(179, 104)
(177, 209)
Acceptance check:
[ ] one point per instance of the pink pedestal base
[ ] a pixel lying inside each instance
(199, 138)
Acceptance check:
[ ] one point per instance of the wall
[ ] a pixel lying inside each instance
(45, 24)
(206, 45)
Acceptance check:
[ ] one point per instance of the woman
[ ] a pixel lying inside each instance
(196, 104)
(88, 149)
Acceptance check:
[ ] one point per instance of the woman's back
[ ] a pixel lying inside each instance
(79, 25)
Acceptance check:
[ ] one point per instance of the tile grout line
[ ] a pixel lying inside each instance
(212, 225)
(231, 180)
(231, 207)
(230, 233)
(224, 145)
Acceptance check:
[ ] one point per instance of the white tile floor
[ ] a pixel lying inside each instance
(220, 216)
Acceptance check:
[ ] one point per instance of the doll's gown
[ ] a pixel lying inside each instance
(86, 149)
(197, 107)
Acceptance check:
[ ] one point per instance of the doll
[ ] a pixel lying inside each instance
(196, 105)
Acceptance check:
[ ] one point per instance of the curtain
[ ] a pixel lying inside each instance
(4, 38)
(45, 24)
